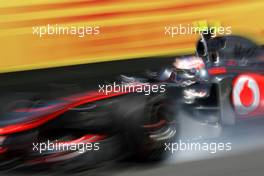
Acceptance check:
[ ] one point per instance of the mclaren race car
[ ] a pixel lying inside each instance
(220, 85)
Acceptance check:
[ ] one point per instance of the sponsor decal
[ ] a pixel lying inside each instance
(246, 95)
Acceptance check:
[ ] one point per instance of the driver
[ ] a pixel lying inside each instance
(192, 74)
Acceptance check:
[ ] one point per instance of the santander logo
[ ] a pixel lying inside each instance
(246, 95)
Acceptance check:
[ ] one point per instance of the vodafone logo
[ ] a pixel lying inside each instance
(246, 95)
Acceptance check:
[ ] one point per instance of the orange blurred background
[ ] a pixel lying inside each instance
(128, 29)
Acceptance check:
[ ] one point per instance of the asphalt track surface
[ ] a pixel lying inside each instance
(245, 159)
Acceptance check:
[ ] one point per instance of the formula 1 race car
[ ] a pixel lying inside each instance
(221, 84)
